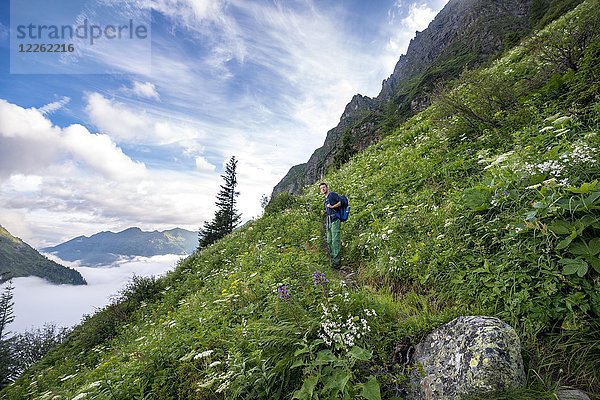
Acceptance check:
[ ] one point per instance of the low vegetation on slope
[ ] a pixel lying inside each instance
(18, 259)
(488, 202)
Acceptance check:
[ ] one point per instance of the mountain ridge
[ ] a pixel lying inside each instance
(464, 34)
(18, 259)
(107, 247)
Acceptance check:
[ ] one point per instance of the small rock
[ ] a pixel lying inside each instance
(571, 394)
(466, 356)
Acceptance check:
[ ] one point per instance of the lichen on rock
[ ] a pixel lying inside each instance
(469, 355)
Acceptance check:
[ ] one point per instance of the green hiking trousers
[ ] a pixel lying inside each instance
(334, 242)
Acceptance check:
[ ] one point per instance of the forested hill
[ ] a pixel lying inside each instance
(18, 259)
(487, 202)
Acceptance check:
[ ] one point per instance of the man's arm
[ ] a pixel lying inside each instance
(336, 204)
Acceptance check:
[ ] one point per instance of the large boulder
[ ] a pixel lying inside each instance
(466, 356)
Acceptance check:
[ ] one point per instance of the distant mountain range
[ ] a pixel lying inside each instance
(107, 247)
(18, 259)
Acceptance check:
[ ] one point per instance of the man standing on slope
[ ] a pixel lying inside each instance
(332, 224)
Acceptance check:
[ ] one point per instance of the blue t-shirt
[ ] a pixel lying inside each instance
(332, 198)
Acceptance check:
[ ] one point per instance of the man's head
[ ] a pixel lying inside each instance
(323, 188)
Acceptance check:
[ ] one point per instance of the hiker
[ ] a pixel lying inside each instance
(332, 224)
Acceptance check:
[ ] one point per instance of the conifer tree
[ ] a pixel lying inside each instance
(6, 309)
(226, 217)
(7, 372)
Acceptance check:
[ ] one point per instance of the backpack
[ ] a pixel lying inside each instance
(344, 210)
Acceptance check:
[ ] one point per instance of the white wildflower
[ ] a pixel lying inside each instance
(499, 159)
(68, 377)
(561, 121)
(536, 186)
(204, 354)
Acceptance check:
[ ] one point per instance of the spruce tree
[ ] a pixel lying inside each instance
(7, 368)
(6, 310)
(226, 217)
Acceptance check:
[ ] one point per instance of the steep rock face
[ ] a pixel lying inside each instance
(359, 108)
(463, 26)
(467, 356)
(293, 182)
(465, 32)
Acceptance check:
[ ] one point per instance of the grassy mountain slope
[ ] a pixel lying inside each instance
(487, 202)
(18, 259)
(464, 34)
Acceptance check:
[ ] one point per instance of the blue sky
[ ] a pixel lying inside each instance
(143, 139)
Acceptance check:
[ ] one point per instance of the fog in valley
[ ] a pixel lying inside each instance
(37, 301)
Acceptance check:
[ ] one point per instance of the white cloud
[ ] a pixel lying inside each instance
(416, 18)
(55, 105)
(116, 120)
(105, 57)
(16, 121)
(30, 142)
(3, 31)
(126, 125)
(214, 26)
(203, 165)
(24, 183)
(189, 12)
(144, 90)
(101, 154)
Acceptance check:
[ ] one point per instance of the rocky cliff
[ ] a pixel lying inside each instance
(464, 34)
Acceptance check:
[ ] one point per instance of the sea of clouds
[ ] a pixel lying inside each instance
(37, 302)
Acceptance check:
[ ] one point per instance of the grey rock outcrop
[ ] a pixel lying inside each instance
(462, 26)
(469, 355)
